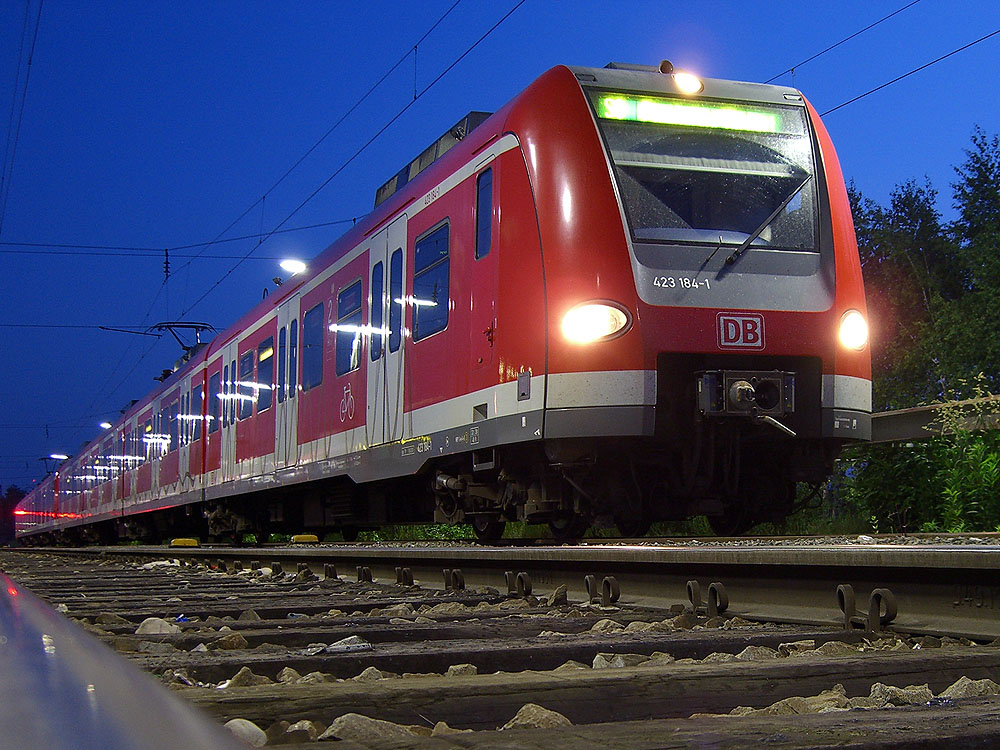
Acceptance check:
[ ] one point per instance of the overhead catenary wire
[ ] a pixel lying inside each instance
(327, 134)
(9, 169)
(278, 227)
(103, 390)
(133, 255)
(356, 154)
(13, 102)
(842, 41)
(69, 424)
(71, 325)
(35, 427)
(910, 73)
(153, 252)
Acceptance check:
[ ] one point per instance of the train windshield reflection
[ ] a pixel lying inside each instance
(711, 182)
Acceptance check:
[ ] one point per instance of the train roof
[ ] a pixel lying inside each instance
(651, 79)
(431, 154)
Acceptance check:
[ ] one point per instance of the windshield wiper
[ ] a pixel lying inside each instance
(712, 254)
(756, 233)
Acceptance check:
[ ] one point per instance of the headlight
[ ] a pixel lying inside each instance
(853, 330)
(593, 321)
(688, 83)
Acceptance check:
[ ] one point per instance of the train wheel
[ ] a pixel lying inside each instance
(262, 533)
(568, 526)
(633, 527)
(488, 528)
(764, 496)
(350, 533)
(737, 519)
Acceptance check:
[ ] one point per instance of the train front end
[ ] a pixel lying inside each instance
(707, 322)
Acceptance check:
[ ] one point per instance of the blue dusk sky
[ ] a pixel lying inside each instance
(152, 125)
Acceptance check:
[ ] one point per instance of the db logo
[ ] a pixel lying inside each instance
(740, 330)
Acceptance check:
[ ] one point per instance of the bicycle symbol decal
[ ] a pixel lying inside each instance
(347, 404)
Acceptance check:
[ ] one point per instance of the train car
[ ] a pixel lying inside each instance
(628, 295)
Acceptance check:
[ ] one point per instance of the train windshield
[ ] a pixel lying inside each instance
(711, 173)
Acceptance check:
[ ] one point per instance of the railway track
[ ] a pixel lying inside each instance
(938, 587)
(296, 650)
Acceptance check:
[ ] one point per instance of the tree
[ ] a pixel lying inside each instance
(970, 330)
(908, 262)
(934, 290)
(977, 199)
(934, 303)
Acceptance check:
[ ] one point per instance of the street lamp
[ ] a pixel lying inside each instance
(292, 266)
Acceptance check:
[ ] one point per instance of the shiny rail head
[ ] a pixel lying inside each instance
(61, 688)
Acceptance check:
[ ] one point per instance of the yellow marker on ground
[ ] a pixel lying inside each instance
(184, 542)
(305, 539)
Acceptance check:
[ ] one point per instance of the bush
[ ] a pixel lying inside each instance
(949, 483)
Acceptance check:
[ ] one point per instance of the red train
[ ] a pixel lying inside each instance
(629, 295)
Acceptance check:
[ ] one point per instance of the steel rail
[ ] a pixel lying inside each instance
(936, 590)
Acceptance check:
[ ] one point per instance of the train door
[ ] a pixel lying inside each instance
(286, 450)
(386, 302)
(122, 466)
(155, 443)
(185, 428)
(230, 408)
(483, 277)
(378, 325)
(132, 461)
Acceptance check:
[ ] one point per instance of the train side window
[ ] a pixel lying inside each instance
(182, 424)
(349, 329)
(282, 358)
(187, 423)
(156, 443)
(396, 301)
(293, 358)
(430, 283)
(245, 388)
(265, 374)
(214, 393)
(377, 309)
(234, 390)
(172, 432)
(147, 439)
(163, 437)
(312, 348)
(225, 395)
(195, 408)
(484, 213)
